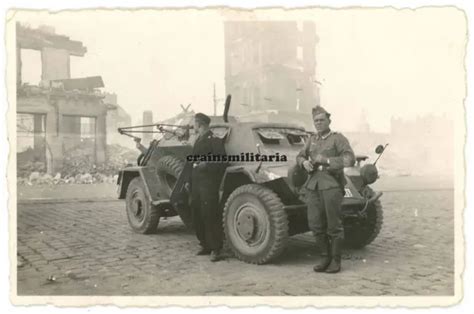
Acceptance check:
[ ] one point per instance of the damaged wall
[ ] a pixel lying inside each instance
(61, 114)
(263, 74)
(55, 63)
(60, 135)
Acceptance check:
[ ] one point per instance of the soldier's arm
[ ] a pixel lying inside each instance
(303, 154)
(142, 148)
(345, 155)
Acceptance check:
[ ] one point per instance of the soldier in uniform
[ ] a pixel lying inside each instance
(140, 146)
(204, 186)
(324, 156)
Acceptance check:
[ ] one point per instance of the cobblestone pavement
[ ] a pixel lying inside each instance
(87, 248)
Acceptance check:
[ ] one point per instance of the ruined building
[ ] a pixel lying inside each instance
(270, 70)
(116, 117)
(61, 114)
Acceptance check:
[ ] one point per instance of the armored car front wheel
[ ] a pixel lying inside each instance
(255, 224)
(142, 216)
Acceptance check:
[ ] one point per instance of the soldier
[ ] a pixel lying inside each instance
(205, 180)
(140, 146)
(324, 156)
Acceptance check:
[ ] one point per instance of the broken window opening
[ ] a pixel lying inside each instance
(87, 128)
(31, 142)
(79, 137)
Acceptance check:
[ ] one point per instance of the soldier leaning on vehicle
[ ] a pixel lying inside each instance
(324, 156)
(204, 187)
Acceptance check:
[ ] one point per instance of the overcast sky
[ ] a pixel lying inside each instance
(385, 62)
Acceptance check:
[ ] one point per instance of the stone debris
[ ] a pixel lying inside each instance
(51, 278)
(79, 168)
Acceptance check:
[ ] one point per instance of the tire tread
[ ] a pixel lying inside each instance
(278, 219)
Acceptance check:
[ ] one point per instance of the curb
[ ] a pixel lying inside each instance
(69, 200)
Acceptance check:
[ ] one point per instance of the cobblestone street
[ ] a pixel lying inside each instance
(87, 248)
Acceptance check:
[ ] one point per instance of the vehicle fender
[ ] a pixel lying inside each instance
(147, 174)
(264, 174)
(234, 177)
(350, 189)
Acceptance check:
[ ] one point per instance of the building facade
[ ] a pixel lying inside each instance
(270, 70)
(60, 114)
(116, 118)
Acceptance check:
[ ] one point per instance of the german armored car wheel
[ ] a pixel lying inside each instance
(168, 170)
(142, 216)
(362, 231)
(255, 224)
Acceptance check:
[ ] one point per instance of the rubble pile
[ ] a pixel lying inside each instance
(25, 169)
(79, 167)
(118, 157)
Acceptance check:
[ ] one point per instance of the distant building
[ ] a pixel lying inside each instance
(60, 114)
(428, 142)
(116, 118)
(363, 125)
(421, 146)
(270, 70)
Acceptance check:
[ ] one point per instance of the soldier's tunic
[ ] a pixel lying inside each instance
(205, 181)
(326, 183)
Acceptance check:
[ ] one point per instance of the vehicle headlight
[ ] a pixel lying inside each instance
(369, 173)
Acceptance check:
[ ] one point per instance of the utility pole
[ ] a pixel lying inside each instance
(214, 99)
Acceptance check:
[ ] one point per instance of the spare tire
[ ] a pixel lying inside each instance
(168, 170)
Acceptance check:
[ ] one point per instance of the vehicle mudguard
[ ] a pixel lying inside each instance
(264, 174)
(147, 174)
(236, 176)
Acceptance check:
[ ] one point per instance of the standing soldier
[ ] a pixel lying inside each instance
(204, 186)
(324, 156)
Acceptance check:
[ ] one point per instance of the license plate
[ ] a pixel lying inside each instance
(348, 192)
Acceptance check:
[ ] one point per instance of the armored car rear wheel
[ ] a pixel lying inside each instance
(362, 231)
(168, 170)
(142, 216)
(255, 224)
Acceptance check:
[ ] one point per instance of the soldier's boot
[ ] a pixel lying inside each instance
(204, 251)
(325, 256)
(216, 255)
(335, 265)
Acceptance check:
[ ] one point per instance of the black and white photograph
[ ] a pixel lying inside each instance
(283, 155)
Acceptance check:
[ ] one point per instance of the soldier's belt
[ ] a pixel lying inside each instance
(319, 167)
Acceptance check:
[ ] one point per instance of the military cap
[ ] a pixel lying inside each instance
(202, 118)
(318, 110)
